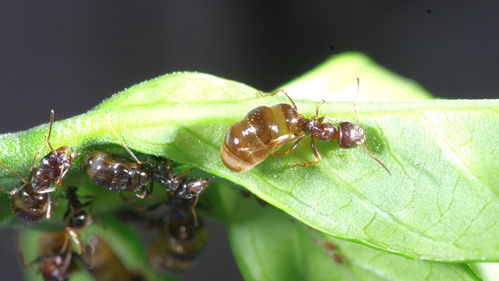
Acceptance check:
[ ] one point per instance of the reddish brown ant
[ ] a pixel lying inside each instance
(31, 200)
(265, 129)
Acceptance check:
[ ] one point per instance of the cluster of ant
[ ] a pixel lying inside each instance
(247, 143)
(180, 240)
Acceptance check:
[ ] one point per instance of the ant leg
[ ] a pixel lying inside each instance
(282, 91)
(291, 148)
(150, 189)
(46, 190)
(122, 143)
(49, 209)
(66, 242)
(143, 193)
(193, 210)
(317, 108)
(316, 155)
(67, 261)
(76, 240)
(10, 192)
(62, 173)
(13, 173)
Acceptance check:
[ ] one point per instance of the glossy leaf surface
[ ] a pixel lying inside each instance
(439, 204)
(271, 246)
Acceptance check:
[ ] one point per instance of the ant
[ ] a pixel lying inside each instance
(57, 259)
(180, 240)
(182, 235)
(120, 174)
(76, 217)
(55, 262)
(265, 129)
(104, 264)
(31, 200)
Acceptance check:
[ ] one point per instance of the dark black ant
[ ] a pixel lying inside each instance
(120, 174)
(53, 166)
(76, 217)
(31, 200)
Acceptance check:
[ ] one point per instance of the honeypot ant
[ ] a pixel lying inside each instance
(265, 129)
(31, 200)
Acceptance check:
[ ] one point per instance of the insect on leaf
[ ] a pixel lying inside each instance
(441, 202)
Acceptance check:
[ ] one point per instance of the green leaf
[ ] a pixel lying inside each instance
(439, 204)
(269, 245)
(333, 81)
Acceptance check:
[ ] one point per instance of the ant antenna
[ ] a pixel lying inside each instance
(13, 173)
(376, 159)
(52, 117)
(122, 143)
(359, 124)
(355, 103)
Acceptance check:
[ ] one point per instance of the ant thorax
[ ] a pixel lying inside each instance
(350, 135)
(322, 131)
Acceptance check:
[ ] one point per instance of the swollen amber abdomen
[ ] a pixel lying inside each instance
(263, 130)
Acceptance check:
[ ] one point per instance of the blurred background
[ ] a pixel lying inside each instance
(70, 55)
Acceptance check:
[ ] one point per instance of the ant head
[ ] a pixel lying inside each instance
(198, 185)
(79, 220)
(68, 151)
(350, 135)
